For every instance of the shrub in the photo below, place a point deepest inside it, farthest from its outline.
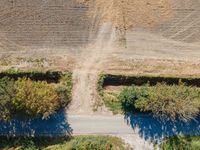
(97, 143)
(181, 143)
(167, 102)
(129, 96)
(36, 98)
(7, 94)
(177, 101)
(33, 98)
(64, 89)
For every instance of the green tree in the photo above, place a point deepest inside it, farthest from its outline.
(176, 101)
(129, 96)
(167, 102)
(7, 94)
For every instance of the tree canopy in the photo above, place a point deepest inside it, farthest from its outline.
(36, 98)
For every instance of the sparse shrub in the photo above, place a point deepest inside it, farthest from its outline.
(36, 98)
(7, 94)
(100, 83)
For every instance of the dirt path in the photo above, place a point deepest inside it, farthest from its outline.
(85, 74)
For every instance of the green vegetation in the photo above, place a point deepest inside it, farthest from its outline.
(33, 75)
(6, 98)
(31, 98)
(112, 101)
(182, 143)
(100, 84)
(165, 101)
(64, 89)
(176, 101)
(75, 143)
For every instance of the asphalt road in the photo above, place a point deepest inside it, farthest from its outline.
(108, 125)
(136, 130)
(99, 125)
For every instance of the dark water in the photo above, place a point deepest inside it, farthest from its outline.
(56, 125)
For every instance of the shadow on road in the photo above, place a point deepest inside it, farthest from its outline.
(154, 129)
(55, 125)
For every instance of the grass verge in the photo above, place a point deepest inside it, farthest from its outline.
(182, 143)
(75, 143)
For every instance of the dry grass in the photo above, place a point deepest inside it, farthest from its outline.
(154, 67)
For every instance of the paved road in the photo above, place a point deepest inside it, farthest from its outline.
(99, 125)
(135, 129)
(108, 125)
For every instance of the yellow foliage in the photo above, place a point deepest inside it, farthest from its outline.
(36, 98)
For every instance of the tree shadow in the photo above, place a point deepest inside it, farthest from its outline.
(55, 126)
(154, 129)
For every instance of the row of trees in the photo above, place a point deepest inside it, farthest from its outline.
(31, 98)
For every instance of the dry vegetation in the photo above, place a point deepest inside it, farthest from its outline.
(153, 67)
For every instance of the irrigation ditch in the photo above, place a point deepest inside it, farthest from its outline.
(118, 80)
(49, 76)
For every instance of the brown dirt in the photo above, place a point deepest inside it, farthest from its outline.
(85, 74)
(147, 66)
